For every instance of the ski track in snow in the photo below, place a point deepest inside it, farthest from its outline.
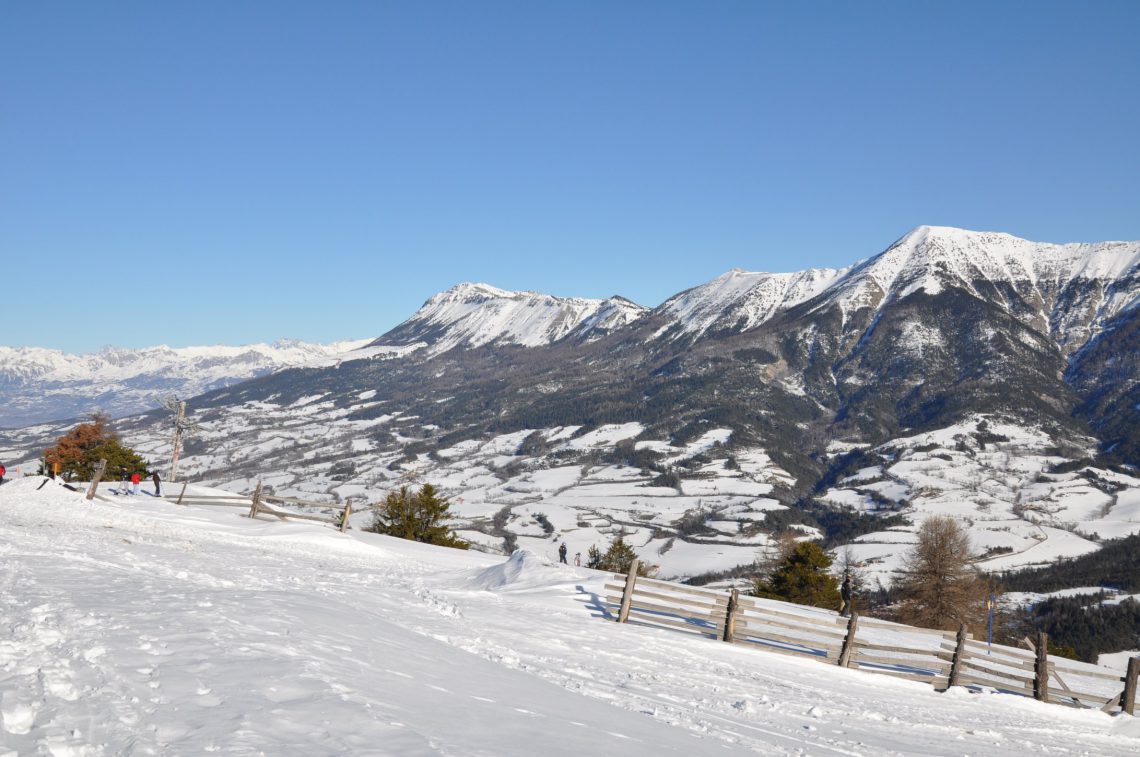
(143, 628)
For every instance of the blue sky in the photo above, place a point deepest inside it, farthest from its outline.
(217, 172)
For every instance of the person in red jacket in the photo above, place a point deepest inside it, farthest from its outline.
(3, 470)
(136, 479)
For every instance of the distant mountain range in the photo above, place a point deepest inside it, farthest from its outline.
(38, 385)
(973, 373)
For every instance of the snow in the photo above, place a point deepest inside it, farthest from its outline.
(43, 384)
(472, 315)
(1001, 492)
(141, 627)
(742, 300)
(929, 257)
(1117, 660)
(607, 434)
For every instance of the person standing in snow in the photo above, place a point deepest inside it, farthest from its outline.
(155, 479)
(577, 559)
(3, 470)
(845, 595)
(124, 487)
(562, 554)
(136, 479)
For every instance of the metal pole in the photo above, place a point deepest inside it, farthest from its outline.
(990, 632)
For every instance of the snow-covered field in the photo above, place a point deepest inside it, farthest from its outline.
(137, 627)
(995, 478)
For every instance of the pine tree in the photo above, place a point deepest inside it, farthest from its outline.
(420, 516)
(618, 558)
(594, 557)
(802, 577)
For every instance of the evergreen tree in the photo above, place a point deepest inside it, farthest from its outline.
(594, 557)
(417, 516)
(79, 450)
(802, 577)
(619, 557)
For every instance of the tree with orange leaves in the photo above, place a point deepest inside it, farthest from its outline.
(79, 450)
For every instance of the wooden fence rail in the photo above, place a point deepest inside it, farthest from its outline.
(257, 504)
(940, 658)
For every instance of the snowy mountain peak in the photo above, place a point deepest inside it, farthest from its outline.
(473, 315)
(469, 290)
(996, 256)
(1040, 277)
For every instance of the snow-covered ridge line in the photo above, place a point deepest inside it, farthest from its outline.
(22, 363)
(473, 315)
(742, 299)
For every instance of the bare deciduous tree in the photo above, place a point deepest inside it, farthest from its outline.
(940, 588)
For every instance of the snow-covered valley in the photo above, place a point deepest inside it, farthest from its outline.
(138, 627)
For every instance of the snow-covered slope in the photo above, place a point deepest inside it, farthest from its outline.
(740, 300)
(146, 628)
(41, 384)
(473, 315)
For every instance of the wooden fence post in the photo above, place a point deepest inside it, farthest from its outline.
(1128, 696)
(344, 518)
(959, 658)
(627, 595)
(730, 615)
(179, 502)
(100, 467)
(256, 501)
(1041, 669)
(849, 640)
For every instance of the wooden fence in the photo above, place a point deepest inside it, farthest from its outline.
(260, 503)
(940, 658)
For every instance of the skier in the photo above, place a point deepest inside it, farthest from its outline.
(577, 559)
(3, 470)
(562, 554)
(845, 595)
(154, 478)
(136, 479)
(124, 487)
